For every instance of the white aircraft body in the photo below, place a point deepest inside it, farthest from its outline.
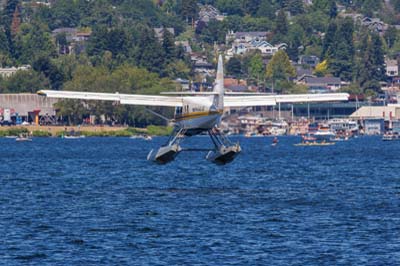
(196, 113)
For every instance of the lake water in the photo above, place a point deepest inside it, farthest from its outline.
(97, 201)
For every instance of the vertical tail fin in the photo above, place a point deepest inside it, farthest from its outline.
(219, 84)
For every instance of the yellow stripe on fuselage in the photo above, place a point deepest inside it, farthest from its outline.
(197, 115)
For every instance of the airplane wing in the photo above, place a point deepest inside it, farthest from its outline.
(130, 99)
(271, 100)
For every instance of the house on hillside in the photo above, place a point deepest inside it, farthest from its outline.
(208, 13)
(247, 36)
(309, 60)
(185, 45)
(374, 24)
(159, 32)
(242, 47)
(392, 68)
(321, 84)
(201, 66)
(75, 40)
(9, 71)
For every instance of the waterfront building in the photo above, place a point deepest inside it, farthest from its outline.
(28, 107)
(373, 126)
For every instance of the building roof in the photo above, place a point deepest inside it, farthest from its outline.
(24, 103)
(252, 34)
(160, 31)
(322, 80)
(377, 112)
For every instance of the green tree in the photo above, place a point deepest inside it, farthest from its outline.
(279, 69)
(295, 7)
(4, 46)
(231, 7)
(390, 36)
(65, 14)
(177, 69)
(341, 64)
(234, 67)
(25, 81)
(333, 9)
(168, 45)
(256, 68)
(251, 6)
(373, 65)
(31, 42)
(329, 40)
(50, 71)
(187, 9)
(150, 55)
(281, 27)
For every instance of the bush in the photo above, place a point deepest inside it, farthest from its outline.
(13, 131)
(41, 133)
(159, 130)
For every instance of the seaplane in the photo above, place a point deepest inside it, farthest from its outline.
(198, 113)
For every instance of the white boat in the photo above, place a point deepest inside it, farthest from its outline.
(389, 136)
(23, 137)
(324, 132)
(73, 137)
(145, 137)
(343, 125)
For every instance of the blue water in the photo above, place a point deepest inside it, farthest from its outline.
(97, 201)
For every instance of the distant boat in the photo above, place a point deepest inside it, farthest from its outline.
(315, 144)
(23, 137)
(145, 137)
(275, 141)
(324, 132)
(308, 138)
(390, 136)
(72, 137)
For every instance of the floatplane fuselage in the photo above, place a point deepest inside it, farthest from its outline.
(200, 112)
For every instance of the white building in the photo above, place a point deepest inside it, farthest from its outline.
(9, 71)
(392, 68)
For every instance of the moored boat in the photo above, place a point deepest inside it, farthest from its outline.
(389, 136)
(23, 137)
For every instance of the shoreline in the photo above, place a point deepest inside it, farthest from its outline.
(89, 131)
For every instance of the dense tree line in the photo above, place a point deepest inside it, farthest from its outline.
(122, 36)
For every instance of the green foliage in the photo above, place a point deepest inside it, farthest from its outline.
(234, 67)
(297, 88)
(390, 36)
(340, 50)
(159, 130)
(108, 133)
(372, 68)
(31, 42)
(24, 81)
(41, 133)
(187, 9)
(124, 79)
(256, 68)
(281, 23)
(13, 131)
(352, 89)
(231, 7)
(279, 70)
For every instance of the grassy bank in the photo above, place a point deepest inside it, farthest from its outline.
(44, 131)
